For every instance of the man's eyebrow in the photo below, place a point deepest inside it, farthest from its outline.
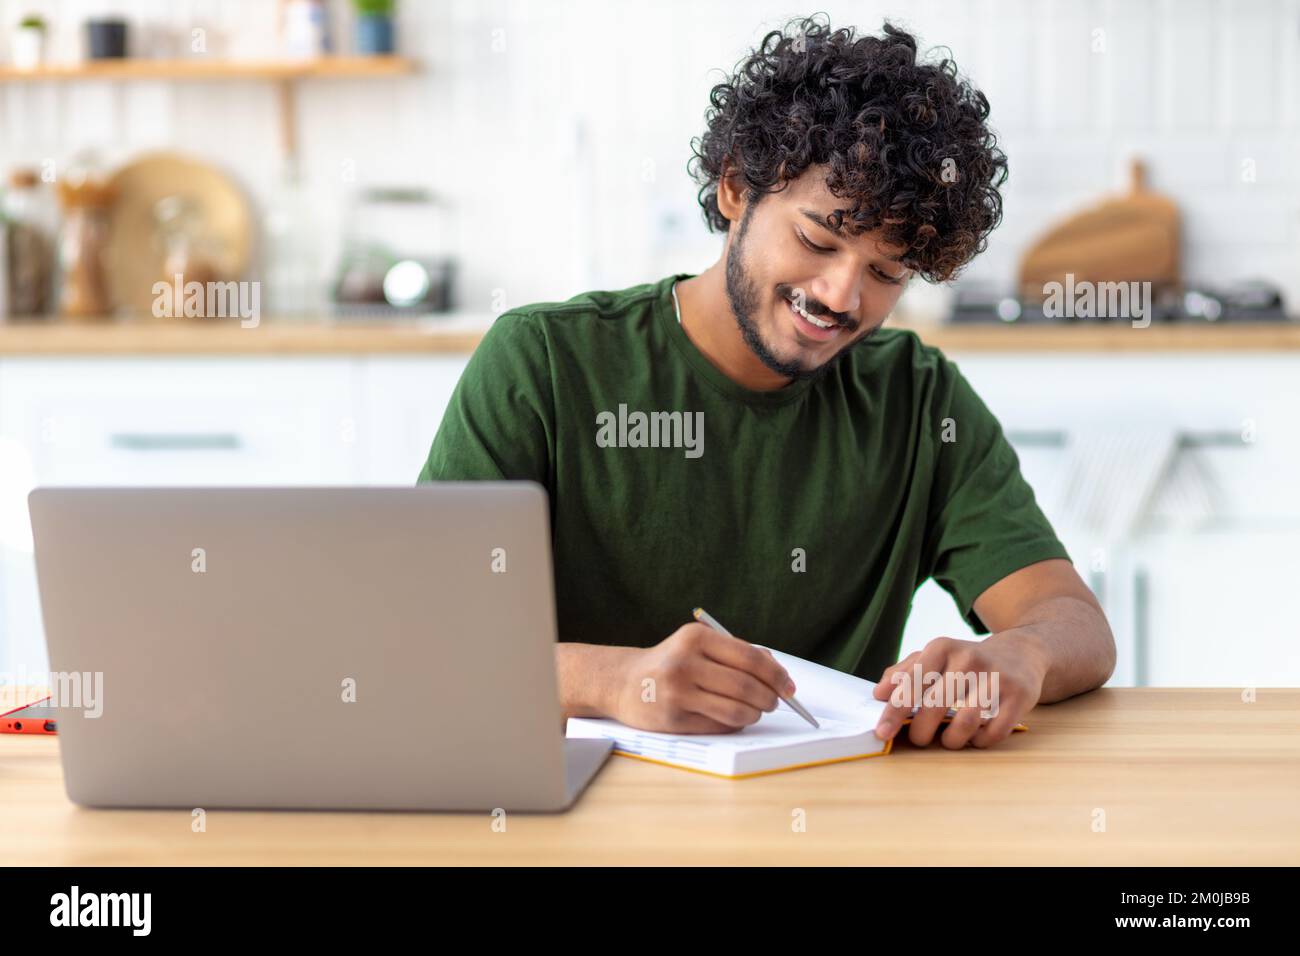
(819, 219)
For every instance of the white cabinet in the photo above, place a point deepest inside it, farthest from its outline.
(199, 421)
(1240, 410)
(403, 401)
(182, 421)
(1218, 607)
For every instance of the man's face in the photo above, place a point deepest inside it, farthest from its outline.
(783, 257)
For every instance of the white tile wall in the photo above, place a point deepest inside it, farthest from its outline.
(559, 129)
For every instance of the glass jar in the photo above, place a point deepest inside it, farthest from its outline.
(83, 290)
(29, 245)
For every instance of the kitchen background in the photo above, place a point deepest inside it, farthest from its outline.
(389, 204)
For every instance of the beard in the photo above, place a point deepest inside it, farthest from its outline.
(746, 301)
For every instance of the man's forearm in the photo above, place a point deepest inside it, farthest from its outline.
(586, 673)
(1074, 642)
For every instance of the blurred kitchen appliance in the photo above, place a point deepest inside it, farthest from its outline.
(1248, 300)
(1128, 238)
(394, 259)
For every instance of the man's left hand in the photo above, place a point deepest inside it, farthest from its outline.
(1015, 658)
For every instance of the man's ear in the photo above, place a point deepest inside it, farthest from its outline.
(731, 193)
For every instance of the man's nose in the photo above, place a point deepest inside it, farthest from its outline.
(837, 291)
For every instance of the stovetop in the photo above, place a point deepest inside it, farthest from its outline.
(1248, 301)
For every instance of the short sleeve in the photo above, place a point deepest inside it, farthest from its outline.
(500, 423)
(984, 522)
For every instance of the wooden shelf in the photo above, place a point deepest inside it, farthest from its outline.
(198, 68)
(283, 73)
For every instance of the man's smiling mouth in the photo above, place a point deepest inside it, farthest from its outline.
(818, 326)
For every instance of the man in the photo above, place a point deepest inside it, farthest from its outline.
(750, 439)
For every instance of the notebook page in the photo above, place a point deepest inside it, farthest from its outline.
(829, 693)
(824, 690)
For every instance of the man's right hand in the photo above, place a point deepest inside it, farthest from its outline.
(695, 681)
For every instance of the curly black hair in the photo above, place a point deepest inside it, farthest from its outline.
(905, 140)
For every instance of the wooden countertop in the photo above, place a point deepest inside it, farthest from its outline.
(1182, 776)
(227, 337)
(460, 334)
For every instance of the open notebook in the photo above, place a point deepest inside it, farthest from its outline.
(781, 740)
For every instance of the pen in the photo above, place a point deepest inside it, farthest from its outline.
(704, 617)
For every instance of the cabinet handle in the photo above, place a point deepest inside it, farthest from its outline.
(1059, 439)
(175, 441)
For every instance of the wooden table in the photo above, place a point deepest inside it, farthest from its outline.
(1182, 776)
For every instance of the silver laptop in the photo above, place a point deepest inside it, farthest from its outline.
(307, 648)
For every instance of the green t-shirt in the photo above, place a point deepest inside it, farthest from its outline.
(803, 519)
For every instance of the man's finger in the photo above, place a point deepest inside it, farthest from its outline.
(742, 655)
(892, 718)
(734, 714)
(891, 721)
(925, 724)
(999, 727)
(885, 686)
(933, 659)
(961, 728)
(699, 724)
(736, 684)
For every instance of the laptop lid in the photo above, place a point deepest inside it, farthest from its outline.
(310, 648)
